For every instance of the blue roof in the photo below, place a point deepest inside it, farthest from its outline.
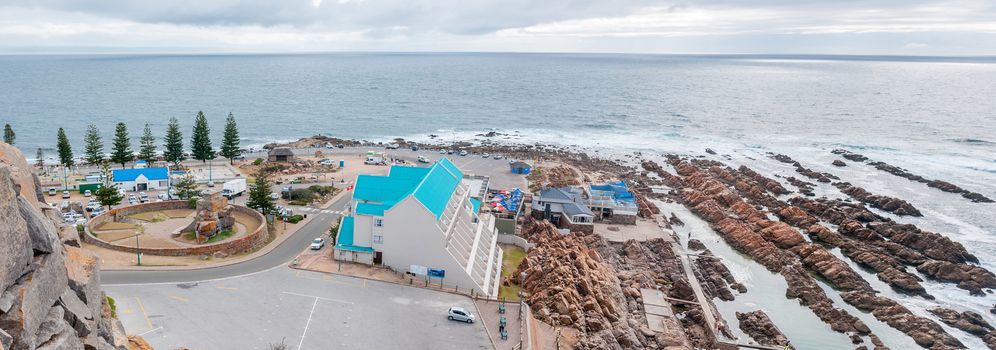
(344, 240)
(120, 175)
(476, 203)
(432, 186)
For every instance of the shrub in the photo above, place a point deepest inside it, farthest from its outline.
(114, 307)
(258, 161)
(295, 218)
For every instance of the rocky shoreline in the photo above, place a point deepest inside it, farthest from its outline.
(903, 173)
(797, 236)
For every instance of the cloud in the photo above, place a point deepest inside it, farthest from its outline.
(814, 26)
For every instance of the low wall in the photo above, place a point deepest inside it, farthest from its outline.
(238, 245)
(515, 240)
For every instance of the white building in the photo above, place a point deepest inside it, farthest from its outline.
(143, 179)
(418, 219)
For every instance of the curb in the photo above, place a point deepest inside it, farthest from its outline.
(260, 253)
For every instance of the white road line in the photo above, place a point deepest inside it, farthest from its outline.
(318, 297)
(149, 331)
(306, 325)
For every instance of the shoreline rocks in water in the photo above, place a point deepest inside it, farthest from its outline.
(903, 173)
(968, 321)
(890, 204)
(759, 327)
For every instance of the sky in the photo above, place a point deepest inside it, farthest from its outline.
(846, 27)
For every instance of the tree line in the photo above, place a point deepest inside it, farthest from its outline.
(172, 143)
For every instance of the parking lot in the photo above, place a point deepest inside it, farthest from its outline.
(305, 310)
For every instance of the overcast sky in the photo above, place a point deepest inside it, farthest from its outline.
(894, 27)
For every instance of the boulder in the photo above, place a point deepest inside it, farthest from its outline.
(36, 292)
(15, 241)
(40, 228)
(759, 327)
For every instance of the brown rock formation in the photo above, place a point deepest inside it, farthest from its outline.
(50, 294)
(968, 321)
(838, 162)
(759, 327)
(889, 204)
(924, 332)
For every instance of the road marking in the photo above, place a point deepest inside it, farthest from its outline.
(306, 325)
(149, 331)
(179, 298)
(330, 278)
(318, 297)
(144, 314)
(227, 288)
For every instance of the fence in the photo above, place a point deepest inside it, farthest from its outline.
(518, 241)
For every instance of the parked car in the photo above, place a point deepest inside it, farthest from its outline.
(163, 196)
(51, 191)
(486, 155)
(392, 146)
(442, 151)
(326, 162)
(415, 148)
(464, 153)
(97, 211)
(132, 199)
(340, 145)
(274, 196)
(449, 151)
(497, 156)
(65, 205)
(459, 314)
(143, 197)
(71, 216)
(210, 184)
(423, 159)
(87, 193)
(65, 194)
(317, 244)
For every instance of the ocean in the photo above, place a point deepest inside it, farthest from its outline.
(933, 116)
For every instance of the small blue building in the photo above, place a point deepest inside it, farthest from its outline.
(520, 167)
(141, 179)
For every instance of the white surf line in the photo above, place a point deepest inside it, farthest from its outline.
(306, 325)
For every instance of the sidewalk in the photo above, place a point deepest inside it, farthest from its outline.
(270, 246)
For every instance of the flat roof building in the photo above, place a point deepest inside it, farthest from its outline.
(141, 179)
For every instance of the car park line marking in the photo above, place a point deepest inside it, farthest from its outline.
(227, 288)
(330, 278)
(306, 325)
(179, 298)
(144, 314)
(149, 331)
(319, 298)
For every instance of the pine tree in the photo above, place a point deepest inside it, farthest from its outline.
(186, 188)
(40, 158)
(173, 142)
(230, 141)
(121, 147)
(93, 150)
(108, 195)
(147, 150)
(8, 134)
(200, 139)
(65, 150)
(259, 195)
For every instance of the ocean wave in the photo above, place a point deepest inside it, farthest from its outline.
(974, 141)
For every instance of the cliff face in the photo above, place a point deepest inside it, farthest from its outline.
(50, 295)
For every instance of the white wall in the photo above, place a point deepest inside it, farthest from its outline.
(362, 229)
(418, 241)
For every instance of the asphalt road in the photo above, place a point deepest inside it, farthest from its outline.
(281, 255)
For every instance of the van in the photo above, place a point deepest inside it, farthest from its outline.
(423, 159)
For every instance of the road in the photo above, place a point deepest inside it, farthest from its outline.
(280, 255)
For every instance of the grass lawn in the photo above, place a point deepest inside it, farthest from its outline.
(510, 261)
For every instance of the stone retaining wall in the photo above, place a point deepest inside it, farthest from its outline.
(238, 245)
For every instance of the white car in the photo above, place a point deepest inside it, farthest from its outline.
(97, 211)
(464, 153)
(459, 314)
(143, 197)
(87, 193)
(486, 155)
(423, 159)
(65, 194)
(274, 196)
(442, 151)
(317, 244)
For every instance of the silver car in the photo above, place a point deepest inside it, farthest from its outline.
(459, 314)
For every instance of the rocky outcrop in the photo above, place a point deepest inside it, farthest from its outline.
(903, 173)
(838, 162)
(890, 204)
(716, 277)
(802, 286)
(570, 285)
(50, 294)
(968, 321)
(969, 277)
(760, 328)
(924, 331)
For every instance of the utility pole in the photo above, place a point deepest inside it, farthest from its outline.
(138, 251)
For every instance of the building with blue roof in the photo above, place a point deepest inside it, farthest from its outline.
(415, 219)
(141, 179)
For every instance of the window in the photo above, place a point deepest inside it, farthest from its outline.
(378, 239)
(379, 222)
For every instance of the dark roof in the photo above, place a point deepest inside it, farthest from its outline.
(576, 209)
(281, 152)
(518, 164)
(570, 201)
